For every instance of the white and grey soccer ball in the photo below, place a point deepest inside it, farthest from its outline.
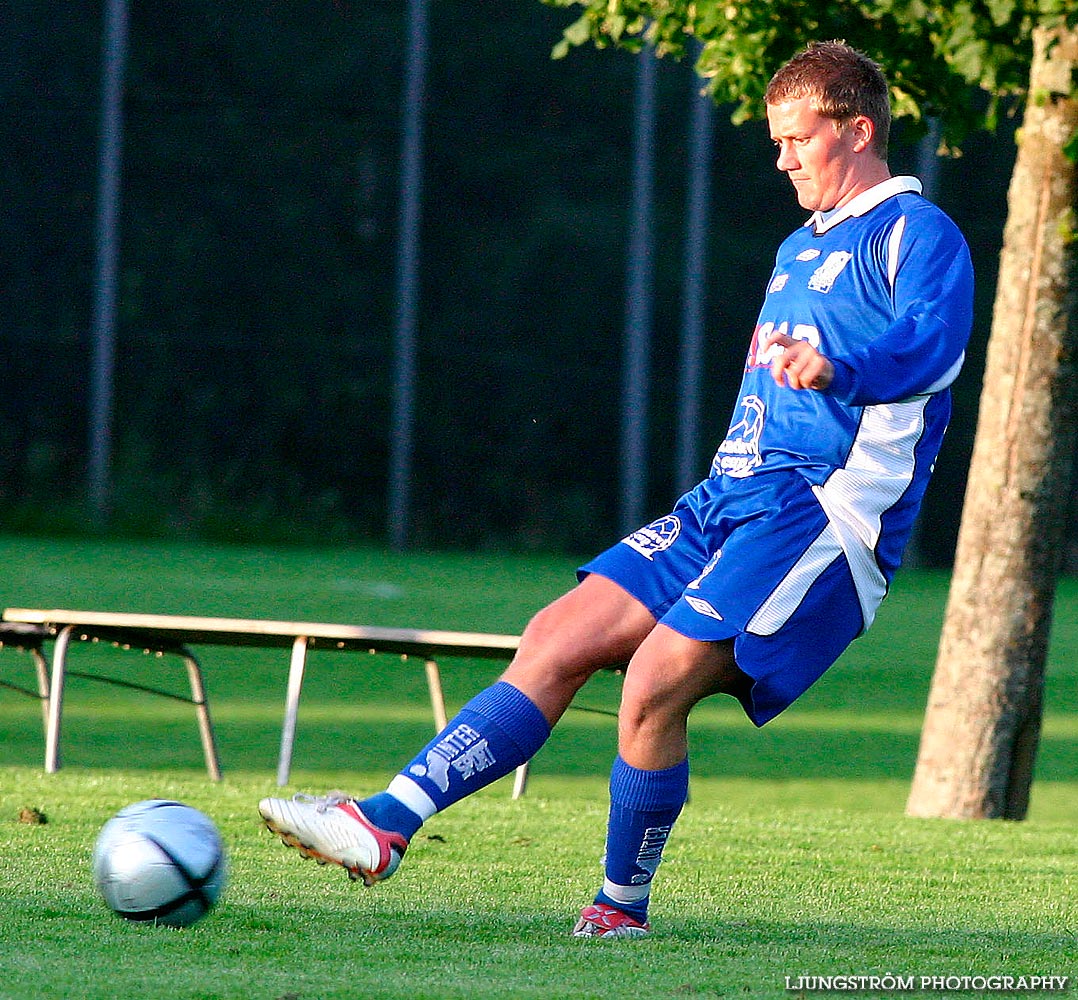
(160, 862)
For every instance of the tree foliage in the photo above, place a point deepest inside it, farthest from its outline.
(959, 63)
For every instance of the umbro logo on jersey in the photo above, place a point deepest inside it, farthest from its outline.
(701, 607)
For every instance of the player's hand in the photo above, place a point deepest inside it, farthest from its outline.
(799, 364)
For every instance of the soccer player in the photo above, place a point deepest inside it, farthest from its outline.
(764, 573)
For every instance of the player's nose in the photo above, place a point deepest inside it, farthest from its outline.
(786, 160)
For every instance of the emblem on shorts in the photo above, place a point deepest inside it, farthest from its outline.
(656, 537)
(701, 607)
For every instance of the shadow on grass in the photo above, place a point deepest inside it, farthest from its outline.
(576, 748)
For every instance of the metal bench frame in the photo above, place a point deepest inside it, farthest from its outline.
(173, 634)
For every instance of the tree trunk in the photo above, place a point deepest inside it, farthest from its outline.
(982, 723)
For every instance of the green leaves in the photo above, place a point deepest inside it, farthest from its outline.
(576, 34)
(957, 62)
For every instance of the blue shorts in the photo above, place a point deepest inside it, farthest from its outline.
(753, 560)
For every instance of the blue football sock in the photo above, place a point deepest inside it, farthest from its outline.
(386, 811)
(643, 808)
(492, 735)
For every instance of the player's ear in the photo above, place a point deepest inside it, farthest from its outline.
(864, 130)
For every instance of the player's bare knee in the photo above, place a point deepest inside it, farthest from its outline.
(543, 626)
(649, 698)
(544, 652)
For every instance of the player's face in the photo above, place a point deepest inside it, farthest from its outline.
(824, 163)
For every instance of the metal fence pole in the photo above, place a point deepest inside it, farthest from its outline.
(638, 305)
(402, 421)
(694, 291)
(107, 252)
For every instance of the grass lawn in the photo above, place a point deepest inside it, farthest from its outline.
(793, 857)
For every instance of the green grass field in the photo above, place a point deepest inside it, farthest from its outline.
(793, 857)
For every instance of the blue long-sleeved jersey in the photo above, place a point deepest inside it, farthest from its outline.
(882, 287)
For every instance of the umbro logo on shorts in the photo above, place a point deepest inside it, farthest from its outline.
(700, 606)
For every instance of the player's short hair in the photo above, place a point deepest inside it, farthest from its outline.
(843, 84)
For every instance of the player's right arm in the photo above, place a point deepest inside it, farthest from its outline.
(921, 350)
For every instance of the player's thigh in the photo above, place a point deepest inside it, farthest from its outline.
(596, 624)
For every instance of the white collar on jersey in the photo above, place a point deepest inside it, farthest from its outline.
(864, 202)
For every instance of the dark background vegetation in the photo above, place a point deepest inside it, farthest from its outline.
(259, 230)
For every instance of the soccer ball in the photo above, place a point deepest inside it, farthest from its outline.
(160, 862)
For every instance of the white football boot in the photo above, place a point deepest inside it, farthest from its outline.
(332, 829)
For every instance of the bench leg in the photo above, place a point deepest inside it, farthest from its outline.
(520, 781)
(437, 698)
(291, 708)
(202, 710)
(42, 667)
(56, 701)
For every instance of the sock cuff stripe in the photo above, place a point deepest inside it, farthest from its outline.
(626, 894)
(409, 794)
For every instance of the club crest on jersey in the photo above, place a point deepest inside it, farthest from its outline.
(655, 537)
(739, 453)
(823, 278)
